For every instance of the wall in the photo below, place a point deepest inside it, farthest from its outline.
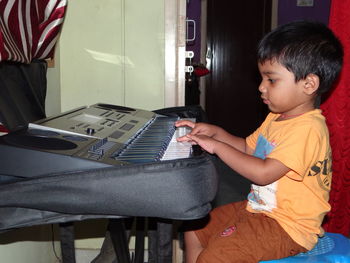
(110, 51)
(193, 12)
(289, 11)
(29, 245)
(91, 54)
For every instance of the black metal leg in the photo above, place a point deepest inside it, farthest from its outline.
(165, 238)
(160, 242)
(140, 240)
(120, 243)
(67, 242)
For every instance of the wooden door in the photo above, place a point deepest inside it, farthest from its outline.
(232, 97)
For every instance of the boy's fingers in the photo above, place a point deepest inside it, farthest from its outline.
(184, 123)
(182, 139)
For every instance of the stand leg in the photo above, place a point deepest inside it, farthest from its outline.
(140, 240)
(67, 242)
(160, 242)
(120, 242)
(165, 238)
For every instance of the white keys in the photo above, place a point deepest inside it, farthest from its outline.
(175, 149)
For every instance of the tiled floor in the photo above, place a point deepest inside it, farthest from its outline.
(85, 255)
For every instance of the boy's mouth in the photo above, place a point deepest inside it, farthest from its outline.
(266, 101)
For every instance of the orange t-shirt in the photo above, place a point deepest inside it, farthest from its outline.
(298, 200)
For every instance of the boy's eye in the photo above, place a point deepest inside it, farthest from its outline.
(272, 80)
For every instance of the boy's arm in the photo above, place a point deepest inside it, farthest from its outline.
(234, 141)
(259, 171)
(214, 132)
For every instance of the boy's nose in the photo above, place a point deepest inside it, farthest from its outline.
(262, 88)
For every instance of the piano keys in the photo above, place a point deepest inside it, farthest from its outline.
(156, 142)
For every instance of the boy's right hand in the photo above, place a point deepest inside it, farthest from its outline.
(197, 129)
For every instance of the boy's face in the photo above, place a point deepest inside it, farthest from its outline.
(280, 91)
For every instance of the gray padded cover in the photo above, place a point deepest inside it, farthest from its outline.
(177, 189)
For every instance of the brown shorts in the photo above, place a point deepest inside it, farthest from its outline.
(235, 235)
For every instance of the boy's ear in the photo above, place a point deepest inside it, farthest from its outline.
(311, 84)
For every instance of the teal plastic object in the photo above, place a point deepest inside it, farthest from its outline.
(332, 248)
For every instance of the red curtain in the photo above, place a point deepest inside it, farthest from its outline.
(337, 111)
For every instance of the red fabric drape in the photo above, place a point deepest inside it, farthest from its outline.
(337, 111)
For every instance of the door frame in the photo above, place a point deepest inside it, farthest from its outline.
(175, 48)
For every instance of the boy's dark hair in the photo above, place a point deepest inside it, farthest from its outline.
(304, 47)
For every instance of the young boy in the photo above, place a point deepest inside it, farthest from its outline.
(288, 158)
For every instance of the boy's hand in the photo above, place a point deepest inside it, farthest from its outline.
(197, 129)
(206, 143)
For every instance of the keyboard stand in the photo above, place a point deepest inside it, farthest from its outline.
(117, 230)
(66, 231)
